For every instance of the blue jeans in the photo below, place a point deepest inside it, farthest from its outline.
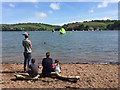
(27, 59)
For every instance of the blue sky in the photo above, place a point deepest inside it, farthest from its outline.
(57, 13)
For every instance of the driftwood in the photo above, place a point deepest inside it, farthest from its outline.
(73, 78)
(26, 77)
(53, 74)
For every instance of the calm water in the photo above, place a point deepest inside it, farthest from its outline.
(80, 46)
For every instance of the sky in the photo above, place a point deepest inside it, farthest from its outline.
(57, 13)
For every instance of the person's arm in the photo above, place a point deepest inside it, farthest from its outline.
(52, 63)
(30, 44)
(22, 43)
(53, 66)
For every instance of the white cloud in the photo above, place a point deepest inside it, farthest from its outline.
(106, 18)
(67, 22)
(50, 12)
(36, 6)
(91, 11)
(55, 6)
(112, 1)
(60, 24)
(104, 4)
(40, 15)
(11, 5)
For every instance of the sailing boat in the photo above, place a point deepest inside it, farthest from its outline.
(62, 31)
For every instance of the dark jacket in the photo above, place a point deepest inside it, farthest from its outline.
(47, 66)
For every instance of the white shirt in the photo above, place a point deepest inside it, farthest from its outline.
(57, 68)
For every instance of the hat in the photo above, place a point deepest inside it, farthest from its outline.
(26, 34)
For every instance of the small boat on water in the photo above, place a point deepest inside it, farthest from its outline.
(62, 31)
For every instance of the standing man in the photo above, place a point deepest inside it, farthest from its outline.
(27, 50)
(47, 65)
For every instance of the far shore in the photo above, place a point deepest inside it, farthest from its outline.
(91, 76)
(51, 30)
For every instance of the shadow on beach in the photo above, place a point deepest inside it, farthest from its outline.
(12, 72)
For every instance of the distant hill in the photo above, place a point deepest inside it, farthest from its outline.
(93, 25)
(29, 27)
(79, 26)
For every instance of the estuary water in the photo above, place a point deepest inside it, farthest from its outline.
(77, 46)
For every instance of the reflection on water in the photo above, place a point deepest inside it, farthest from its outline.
(82, 46)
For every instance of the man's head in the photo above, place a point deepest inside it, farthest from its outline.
(26, 34)
(47, 54)
(33, 60)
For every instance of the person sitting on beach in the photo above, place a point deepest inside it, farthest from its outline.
(33, 68)
(57, 67)
(47, 65)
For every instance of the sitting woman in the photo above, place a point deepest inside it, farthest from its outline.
(33, 69)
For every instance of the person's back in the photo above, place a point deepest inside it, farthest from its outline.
(47, 65)
(33, 68)
(26, 44)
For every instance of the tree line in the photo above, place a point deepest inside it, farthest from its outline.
(93, 25)
(79, 26)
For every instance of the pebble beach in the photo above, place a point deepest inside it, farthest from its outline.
(91, 76)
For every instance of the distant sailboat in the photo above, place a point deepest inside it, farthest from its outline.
(62, 31)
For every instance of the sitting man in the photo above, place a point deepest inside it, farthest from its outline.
(47, 66)
(33, 69)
